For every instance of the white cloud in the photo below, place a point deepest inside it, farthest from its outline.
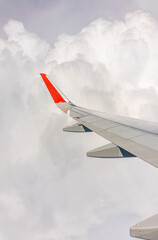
(49, 189)
(118, 55)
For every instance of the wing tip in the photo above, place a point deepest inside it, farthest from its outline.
(44, 76)
(55, 93)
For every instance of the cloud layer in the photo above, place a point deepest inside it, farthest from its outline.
(49, 189)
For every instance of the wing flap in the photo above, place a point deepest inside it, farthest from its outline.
(78, 128)
(109, 151)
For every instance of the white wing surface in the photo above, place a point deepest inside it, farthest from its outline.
(147, 229)
(129, 137)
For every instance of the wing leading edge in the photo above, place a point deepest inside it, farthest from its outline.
(130, 137)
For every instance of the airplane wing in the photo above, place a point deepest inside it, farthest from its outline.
(129, 137)
(147, 229)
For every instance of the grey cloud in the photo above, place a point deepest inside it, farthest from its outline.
(48, 18)
(148, 6)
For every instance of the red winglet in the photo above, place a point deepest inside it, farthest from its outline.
(53, 91)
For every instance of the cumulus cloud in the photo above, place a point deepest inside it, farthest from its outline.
(116, 57)
(49, 189)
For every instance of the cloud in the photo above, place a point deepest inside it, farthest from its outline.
(49, 189)
(48, 18)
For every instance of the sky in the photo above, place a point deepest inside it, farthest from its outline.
(104, 56)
